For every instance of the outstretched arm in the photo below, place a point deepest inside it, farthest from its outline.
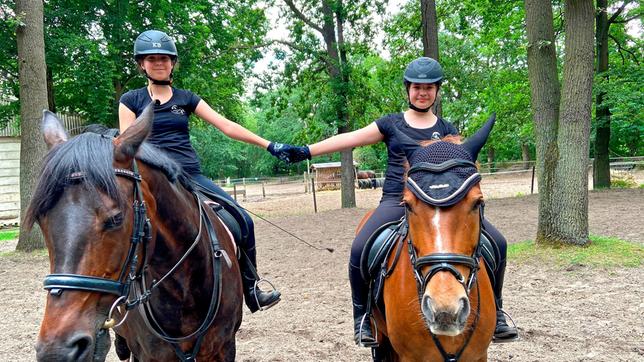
(364, 136)
(229, 128)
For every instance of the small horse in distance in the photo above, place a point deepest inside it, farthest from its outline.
(133, 248)
(436, 303)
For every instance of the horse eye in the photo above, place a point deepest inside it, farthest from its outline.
(114, 221)
(478, 204)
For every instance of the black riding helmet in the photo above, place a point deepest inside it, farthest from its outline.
(423, 70)
(155, 42)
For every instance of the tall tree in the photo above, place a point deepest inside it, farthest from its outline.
(33, 99)
(601, 164)
(562, 122)
(430, 38)
(329, 19)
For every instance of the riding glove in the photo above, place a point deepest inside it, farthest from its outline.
(289, 153)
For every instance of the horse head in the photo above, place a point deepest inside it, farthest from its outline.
(84, 212)
(444, 211)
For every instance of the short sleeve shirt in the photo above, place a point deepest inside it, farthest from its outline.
(394, 176)
(170, 130)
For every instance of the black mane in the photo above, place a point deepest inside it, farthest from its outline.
(92, 154)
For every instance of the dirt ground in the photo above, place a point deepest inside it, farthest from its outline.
(574, 314)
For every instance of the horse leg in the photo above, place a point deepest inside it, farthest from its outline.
(229, 351)
(384, 352)
(122, 350)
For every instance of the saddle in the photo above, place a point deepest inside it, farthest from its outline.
(379, 246)
(229, 213)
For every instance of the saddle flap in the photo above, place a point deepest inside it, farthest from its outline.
(377, 249)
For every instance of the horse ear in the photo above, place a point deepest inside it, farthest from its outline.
(474, 144)
(127, 144)
(52, 130)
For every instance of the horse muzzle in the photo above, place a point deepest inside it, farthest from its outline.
(78, 347)
(447, 320)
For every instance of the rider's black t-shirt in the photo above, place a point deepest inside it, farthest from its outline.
(170, 130)
(394, 176)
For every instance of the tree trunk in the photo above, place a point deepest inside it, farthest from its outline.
(33, 99)
(601, 164)
(339, 82)
(545, 96)
(490, 158)
(571, 186)
(525, 155)
(430, 39)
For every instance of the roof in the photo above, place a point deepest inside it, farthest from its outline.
(315, 166)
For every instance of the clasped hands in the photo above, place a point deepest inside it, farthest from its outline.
(289, 153)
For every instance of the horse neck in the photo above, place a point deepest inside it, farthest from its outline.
(176, 220)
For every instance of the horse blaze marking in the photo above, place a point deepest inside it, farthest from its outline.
(436, 222)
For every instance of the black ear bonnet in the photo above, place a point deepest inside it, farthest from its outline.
(442, 173)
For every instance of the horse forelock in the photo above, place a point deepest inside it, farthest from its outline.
(90, 154)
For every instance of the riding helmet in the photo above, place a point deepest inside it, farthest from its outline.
(154, 42)
(423, 70)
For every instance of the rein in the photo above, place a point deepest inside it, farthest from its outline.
(135, 284)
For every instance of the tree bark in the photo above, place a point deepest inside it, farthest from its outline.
(601, 164)
(33, 99)
(571, 186)
(430, 39)
(525, 155)
(545, 96)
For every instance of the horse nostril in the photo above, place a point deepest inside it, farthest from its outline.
(464, 310)
(426, 307)
(78, 347)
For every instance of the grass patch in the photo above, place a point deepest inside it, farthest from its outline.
(8, 234)
(602, 252)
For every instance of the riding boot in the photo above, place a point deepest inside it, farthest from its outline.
(255, 298)
(363, 335)
(503, 332)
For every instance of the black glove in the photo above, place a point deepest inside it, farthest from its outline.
(289, 153)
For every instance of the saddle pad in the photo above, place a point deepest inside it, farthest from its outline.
(377, 249)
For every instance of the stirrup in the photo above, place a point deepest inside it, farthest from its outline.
(507, 340)
(262, 308)
(360, 341)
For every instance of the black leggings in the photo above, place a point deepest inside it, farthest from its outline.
(391, 209)
(249, 248)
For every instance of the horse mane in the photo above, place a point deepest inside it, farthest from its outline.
(91, 153)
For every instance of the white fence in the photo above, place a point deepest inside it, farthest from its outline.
(10, 166)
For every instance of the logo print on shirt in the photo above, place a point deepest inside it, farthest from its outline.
(177, 110)
(436, 136)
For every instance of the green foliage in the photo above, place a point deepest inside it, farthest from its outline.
(602, 252)
(8, 234)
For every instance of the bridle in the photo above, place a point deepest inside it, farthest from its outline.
(437, 262)
(57, 283)
(131, 287)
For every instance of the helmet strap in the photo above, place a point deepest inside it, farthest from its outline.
(421, 110)
(159, 82)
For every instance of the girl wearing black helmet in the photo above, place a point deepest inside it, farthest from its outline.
(422, 79)
(156, 55)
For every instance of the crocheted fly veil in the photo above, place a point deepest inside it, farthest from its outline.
(442, 173)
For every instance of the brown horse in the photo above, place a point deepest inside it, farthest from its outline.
(131, 247)
(438, 299)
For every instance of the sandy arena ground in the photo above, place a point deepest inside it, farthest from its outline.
(574, 314)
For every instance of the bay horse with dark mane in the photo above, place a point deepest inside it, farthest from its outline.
(436, 299)
(133, 247)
